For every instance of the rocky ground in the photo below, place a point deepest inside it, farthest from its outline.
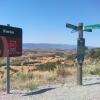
(90, 90)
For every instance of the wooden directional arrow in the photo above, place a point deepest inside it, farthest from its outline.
(95, 26)
(71, 26)
(85, 29)
(73, 31)
(88, 30)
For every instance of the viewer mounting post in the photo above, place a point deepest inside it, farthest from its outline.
(80, 47)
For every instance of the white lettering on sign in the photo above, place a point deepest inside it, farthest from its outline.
(8, 31)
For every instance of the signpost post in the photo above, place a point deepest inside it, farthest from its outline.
(8, 76)
(8, 72)
(10, 46)
(80, 53)
(80, 47)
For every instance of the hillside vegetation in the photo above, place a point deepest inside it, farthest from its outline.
(36, 68)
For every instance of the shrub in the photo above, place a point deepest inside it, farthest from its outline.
(94, 53)
(96, 71)
(97, 53)
(2, 63)
(50, 66)
(62, 71)
(57, 54)
(16, 62)
(71, 56)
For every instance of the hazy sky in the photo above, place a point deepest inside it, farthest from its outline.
(44, 21)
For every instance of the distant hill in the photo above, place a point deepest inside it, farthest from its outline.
(47, 46)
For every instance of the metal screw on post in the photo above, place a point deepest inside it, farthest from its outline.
(8, 73)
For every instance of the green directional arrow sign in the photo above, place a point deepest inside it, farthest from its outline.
(71, 26)
(95, 26)
(73, 31)
(87, 30)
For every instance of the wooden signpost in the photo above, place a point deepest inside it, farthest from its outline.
(80, 48)
(10, 46)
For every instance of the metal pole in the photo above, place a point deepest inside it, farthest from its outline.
(8, 76)
(8, 72)
(79, 66)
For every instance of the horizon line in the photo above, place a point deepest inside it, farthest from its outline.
(60, 44)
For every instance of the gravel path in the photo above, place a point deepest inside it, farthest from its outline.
(67, 91)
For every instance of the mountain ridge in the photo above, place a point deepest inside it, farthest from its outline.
(47, 46)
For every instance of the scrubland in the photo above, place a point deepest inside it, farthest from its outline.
(40, 68)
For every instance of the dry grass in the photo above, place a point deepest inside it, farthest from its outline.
(93, 69)
(27, 78)
(62, 71)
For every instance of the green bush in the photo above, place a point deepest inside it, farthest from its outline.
(97, 53)
(71, 56)
(94, 53)
(16, 62)
(2, 63)
(96, 71)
